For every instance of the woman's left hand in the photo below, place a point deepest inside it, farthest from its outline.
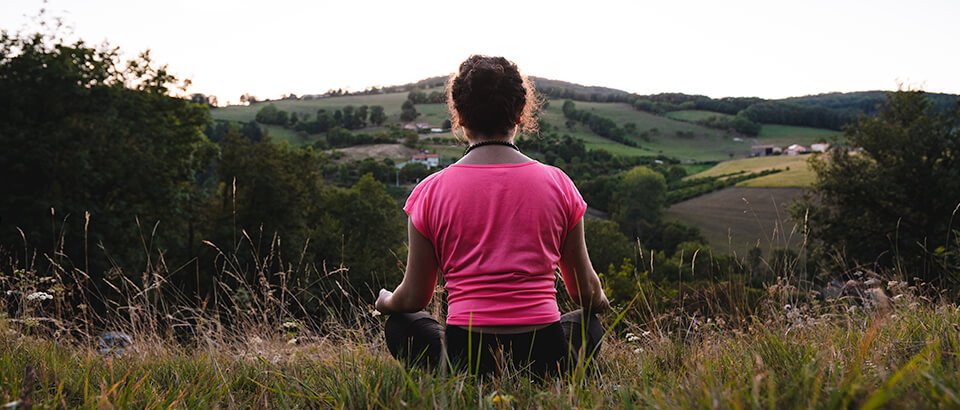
(382, 301)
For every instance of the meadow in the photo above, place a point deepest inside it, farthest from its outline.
(796, 171)
(884, 345)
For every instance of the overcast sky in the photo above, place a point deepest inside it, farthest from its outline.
(762, 48)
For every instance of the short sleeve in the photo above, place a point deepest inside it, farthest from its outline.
(418, 206)
(575, 205)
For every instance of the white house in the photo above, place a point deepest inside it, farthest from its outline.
(430, 160)
(820, 147)
(796, 149)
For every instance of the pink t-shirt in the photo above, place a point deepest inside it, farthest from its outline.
(497, 230)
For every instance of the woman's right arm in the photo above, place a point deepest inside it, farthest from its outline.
(580, 279)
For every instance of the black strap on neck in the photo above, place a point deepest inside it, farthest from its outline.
(491, 142)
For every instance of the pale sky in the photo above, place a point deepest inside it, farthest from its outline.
(764, 48)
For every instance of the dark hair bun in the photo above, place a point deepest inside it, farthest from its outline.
(489, 96)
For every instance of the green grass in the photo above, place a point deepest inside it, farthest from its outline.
(797, 171)
(787, 134)
(808, 356)
(694, 115)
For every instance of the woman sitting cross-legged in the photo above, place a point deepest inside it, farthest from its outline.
(497, 224)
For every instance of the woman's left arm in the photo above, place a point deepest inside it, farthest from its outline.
(419, 279)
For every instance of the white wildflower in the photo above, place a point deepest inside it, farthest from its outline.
(293, 341)
(375, 313)
(872, 282)
(39, 296)
(290, 325)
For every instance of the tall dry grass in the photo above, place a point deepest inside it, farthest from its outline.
(875, 341)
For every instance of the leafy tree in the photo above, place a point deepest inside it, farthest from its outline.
(372, 232)
(270, 114)
(348, 118)
(608, 246)
(639, 201)
(889, 194)
(377, 115)
(411, 139)
(414, 172)
(408, 112)
(82, 135)
(361, 116)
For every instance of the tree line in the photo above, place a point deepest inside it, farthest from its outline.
(348, 117)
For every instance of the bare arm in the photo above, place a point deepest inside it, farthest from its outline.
(419, 280)
(580, 279)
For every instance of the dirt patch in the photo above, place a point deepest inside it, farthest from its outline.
(397, 152)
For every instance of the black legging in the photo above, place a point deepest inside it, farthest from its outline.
(415, 339)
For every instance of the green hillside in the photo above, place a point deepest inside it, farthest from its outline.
(673, 134)
(694, 115)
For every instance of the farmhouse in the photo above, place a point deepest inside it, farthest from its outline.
(430, 160)
(764, 150)
(797, 149)
(417, 126)
(820, 147)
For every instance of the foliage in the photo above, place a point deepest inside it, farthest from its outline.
(602, 126)
(890, 196)
(270, 114)
(377, 115)
(772, 112)
(414, 172)
(90, 147)
(607, 245)
(101, 163)
(639, 201)
(408, 112)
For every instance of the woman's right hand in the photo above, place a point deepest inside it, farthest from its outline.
(601, 305)
(382, 303)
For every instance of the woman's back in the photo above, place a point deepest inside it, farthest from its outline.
(496, 224)
(497, 230)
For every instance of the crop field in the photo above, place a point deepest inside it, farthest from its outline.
(694, 115)
(797, 172)
(737, 219)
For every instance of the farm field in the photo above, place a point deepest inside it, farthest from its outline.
(694, 115)
(797, 172)
(787, 134)
(738, 219)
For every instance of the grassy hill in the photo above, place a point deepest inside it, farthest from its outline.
(694, 115)
(674, 134)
